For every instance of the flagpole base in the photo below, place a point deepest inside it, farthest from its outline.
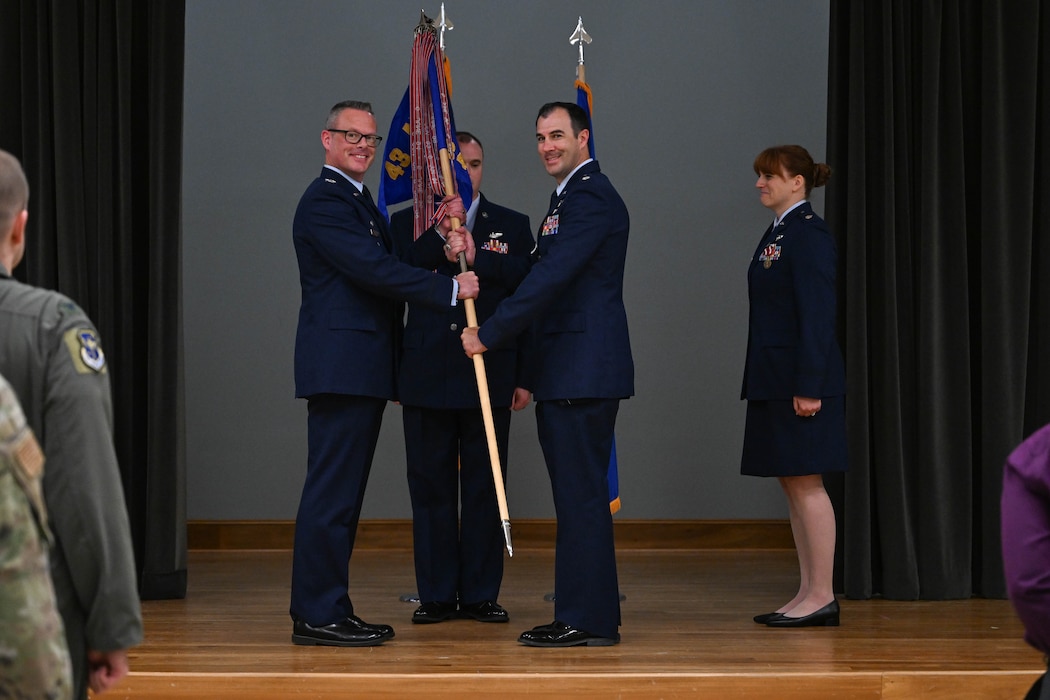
(506, 537)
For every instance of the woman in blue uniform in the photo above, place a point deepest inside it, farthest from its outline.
(794, 377)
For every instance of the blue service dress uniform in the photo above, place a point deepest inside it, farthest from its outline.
(792, 351)
(458, 549)
(346, 349)
(580, 367)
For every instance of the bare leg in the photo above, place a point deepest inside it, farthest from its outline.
(812, 517)
(798, 533)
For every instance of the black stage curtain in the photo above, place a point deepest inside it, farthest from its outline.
(91, 102)
(938, 128)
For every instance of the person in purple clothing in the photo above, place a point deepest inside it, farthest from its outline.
(1026, 541)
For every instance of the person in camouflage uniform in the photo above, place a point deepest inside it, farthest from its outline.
(51, 354)
(34, 661)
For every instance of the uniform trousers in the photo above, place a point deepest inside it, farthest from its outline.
(576, 437)
(342, 432)
(458, 549)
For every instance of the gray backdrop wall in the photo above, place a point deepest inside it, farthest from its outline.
(686, 93)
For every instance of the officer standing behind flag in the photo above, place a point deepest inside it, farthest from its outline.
(51, 354)
(36, 661)
(580, 369)
(459, 565)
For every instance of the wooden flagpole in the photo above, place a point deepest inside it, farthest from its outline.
(482, 378)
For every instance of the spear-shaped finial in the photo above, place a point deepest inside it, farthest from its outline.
(443, 23)
(581, 37)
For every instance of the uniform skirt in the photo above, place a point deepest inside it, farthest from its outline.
(779, 443)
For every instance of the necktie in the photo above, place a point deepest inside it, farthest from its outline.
(377, 219)
(371, 202)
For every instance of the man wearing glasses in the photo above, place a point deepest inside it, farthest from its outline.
(345, 364)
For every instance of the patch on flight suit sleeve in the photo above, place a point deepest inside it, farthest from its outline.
(17, 442)
(85, 351)
(67, 307)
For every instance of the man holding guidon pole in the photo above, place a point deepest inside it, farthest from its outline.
(572, 299)
(345, 365)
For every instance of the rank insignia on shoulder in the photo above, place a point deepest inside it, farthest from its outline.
(85, 350)
(68, 309)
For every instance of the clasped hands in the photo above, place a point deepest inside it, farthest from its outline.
(806, 407)
(458, 240)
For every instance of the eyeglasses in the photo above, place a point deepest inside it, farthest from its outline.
(372, 140)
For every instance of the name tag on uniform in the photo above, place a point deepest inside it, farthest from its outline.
(550, 226)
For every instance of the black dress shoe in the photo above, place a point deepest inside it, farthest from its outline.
(428, 613)
(765, 617)
(351, 632)
(828, 616)
(559, 634)
(485, 611)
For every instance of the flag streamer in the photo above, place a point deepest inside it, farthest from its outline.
(422, 126)
(426, 180)
(585, 99)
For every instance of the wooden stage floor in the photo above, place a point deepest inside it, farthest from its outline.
(687, 632)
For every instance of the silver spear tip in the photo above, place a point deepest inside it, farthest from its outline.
(580, 35)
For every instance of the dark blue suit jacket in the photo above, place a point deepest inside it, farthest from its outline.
(435, 372)
(791, 345)
(352, 283)
(573, 297)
